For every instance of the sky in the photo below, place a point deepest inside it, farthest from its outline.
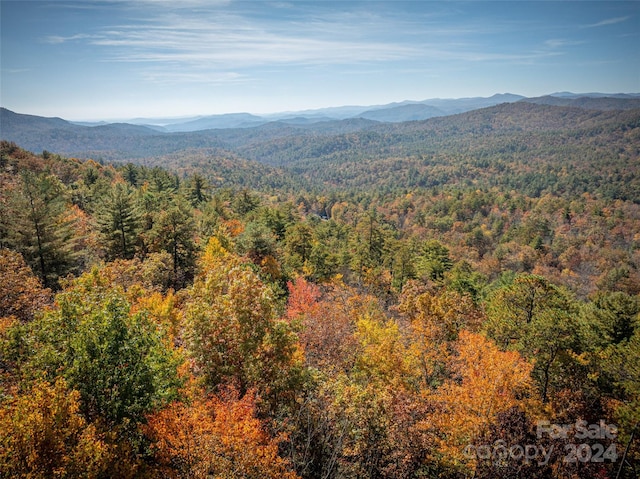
(106, 60)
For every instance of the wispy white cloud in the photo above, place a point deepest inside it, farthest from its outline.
(561, 43)
(57, 39)
(181, 4)
(211, 44)
(208, 77)
(235, 42)
(608, 21)
(14, 71)
(524, 57)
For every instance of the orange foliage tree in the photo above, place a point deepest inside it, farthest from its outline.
(485, 383)
(216, 437)
(328, 324)
(21, 293)
(303, 296)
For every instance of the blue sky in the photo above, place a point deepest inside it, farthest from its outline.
(158, 58)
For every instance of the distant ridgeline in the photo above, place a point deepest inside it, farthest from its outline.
(556, 144)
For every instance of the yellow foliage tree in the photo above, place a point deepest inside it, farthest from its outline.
(161, 309)
(43, 435)
(382, 357)
(435, 319)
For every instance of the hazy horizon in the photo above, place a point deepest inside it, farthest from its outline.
(103, 60)
(161, 120)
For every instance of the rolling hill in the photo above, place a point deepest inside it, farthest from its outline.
(525, 145)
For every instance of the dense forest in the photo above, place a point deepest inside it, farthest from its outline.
(453, 298)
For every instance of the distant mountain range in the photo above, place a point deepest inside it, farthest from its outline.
(391, 113)
(145, 137)
(603, 103)
(527, 145)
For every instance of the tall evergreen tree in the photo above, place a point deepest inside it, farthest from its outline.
(368, 243)
(198, 190)
(130, 173)
(434, 260)
(173, 231)
(37, 227)
(118, 219)
(540, 321)
(298, 244)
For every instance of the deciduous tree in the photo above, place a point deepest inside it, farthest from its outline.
(215, 437)
(485, 382)
(43, 435)
(436, 318)
(21, 293)
(116, 359)
(233, 331)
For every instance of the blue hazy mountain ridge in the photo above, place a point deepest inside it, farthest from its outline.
(568, 94)
(619, 102)
(398, 114)
(461, 105)
(392, 112)
(37, 133)
(12, 121)
(126, 141)
(229, 120)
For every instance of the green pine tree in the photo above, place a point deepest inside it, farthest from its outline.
(38, 226)
(173, 231)
(118, 219)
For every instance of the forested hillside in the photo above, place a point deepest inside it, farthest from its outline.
(340, 300)
(535, 149)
